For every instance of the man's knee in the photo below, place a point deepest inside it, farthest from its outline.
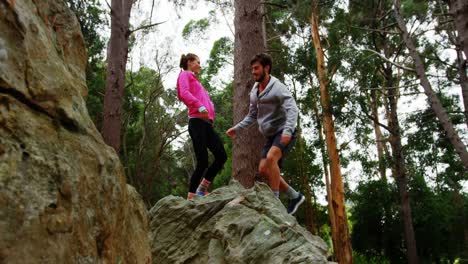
(263, 169)
(272, 159)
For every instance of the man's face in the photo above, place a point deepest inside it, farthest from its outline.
(259, 72)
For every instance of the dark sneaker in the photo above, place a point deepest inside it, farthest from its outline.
(202, 193)
(295, 203)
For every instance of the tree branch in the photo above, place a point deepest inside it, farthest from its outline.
(108, 5)
(377, 122)
(273, 4)
(377, 30)
(387, 60)
(331, 73)
(146, 26)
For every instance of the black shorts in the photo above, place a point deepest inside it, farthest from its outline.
(275, 140)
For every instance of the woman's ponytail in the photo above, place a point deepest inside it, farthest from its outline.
(184, 59)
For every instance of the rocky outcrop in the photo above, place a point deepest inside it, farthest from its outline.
(63, 196)
(231, 225)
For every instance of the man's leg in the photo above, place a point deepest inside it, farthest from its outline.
(283, 187)
(265, 172)
(272, 168)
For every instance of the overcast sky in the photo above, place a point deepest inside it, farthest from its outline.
(167, 37)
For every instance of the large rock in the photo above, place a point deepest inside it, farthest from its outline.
(231, 225)
(63, 196)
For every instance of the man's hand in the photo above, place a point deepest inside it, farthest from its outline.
(204, 115)
(285, 139)
(231, 132)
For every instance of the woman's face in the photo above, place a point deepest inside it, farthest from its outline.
(194, 65)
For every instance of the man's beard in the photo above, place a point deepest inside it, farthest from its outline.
(261, 77)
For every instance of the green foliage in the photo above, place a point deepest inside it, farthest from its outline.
(150, 125)
(417, 8)
(221, 54)
(90, 15)
(195, 28)
(363, 259)
(377, 222)
(375, 215)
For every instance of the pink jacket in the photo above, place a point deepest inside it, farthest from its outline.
(191, 92)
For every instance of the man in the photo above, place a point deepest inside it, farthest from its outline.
(274, 108)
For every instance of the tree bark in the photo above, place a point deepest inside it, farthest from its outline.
(331, 213)
(248, 42)
(461, 64)
(459, 11)
(380, 142)
(117, 51)
(434, 101)
(399, 168)
(343, 250)
(309, 209)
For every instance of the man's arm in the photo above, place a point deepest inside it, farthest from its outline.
(290, 107)
(248, 120)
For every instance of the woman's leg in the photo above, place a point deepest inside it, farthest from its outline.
(215, 145)
(197, 131)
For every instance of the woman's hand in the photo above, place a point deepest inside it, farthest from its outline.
(205, 115)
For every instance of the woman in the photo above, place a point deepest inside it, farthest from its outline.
(201, 116)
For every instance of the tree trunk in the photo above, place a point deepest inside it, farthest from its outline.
(117, 52)
(248, 42)
(461, 67)
(436, 105)
(343, 244)
(459, 11)
(309, 209)
(331, 213)
(378, 136)
(399, 168)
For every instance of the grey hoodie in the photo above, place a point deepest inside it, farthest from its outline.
(274, 109)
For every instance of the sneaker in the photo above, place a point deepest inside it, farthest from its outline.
(202, 193)
(295, 203)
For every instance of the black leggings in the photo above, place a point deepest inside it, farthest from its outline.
(203, 138)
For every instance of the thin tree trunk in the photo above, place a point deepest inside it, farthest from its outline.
(248, 42)
(435, 103)
(461, 67)
(399, 165)
(309, 209)
(117, 52)
(378, 136)
(343, 244)
(331, 213)
(459, 11)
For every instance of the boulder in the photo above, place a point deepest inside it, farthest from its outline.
(231, 225)
(63, 195)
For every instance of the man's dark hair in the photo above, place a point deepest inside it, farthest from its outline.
(264, 59)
